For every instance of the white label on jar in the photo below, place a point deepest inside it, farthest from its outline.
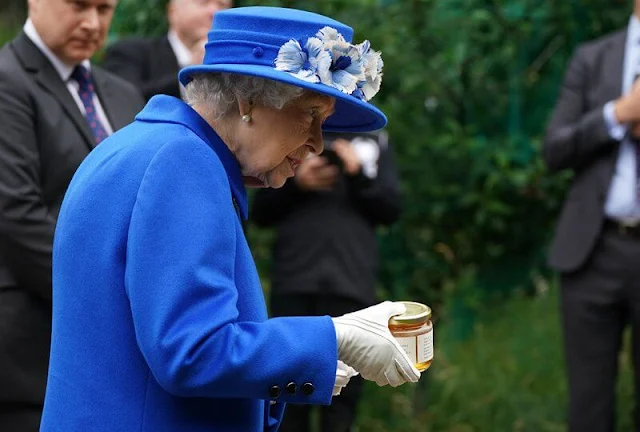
(408, 344)
(425, 347)
(419, 349)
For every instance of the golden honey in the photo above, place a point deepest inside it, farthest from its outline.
(414, 332)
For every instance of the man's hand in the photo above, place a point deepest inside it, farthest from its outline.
(315, 174)
(627, 108)
(347, 153)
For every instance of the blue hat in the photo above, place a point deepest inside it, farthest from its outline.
(303, 49)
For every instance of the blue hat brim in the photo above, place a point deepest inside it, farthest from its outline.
(351, 114)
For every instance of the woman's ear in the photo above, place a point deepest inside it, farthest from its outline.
(244, 107)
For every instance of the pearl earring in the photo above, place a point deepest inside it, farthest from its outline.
(246, 118)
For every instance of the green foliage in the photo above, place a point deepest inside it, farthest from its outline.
(509, 376)
(139, 17)
(6, 35)
(468, 88)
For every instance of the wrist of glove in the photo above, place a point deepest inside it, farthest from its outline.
(366, 344)
(344, 373)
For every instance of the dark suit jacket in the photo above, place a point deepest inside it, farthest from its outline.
(577, 138)
(43, 139)
(150, 64)
(326, 241)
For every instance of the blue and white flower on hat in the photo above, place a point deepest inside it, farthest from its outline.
(302, 60)
(346, 68)
(329, 59)
(372, 71)
(329, 35)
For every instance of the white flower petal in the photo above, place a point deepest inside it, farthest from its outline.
(371, 87)
(327, 34)
(323, 67)
(290, 57)
(364, 47)
(344, 81)
(314, 46)
(373, 64)
(306, 75)
(357, 66)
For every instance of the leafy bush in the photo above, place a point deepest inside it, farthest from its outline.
(508, 376)
(468, 87)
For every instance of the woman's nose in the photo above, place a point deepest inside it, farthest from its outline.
(317, 144)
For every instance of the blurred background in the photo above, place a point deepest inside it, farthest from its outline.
(468, 88)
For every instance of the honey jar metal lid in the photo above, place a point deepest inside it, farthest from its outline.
(416, 313)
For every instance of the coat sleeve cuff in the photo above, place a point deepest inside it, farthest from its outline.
(616, 130)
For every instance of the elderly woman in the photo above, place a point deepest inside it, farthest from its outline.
(159, 321)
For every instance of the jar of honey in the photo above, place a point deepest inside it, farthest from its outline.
(414, 332)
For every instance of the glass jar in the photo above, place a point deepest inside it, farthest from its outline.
(414, 332)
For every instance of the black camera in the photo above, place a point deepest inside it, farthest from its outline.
(329, 153)
(332, 157)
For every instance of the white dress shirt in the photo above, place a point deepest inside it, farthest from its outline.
(65, 71)
(622, 203)
(182, 53)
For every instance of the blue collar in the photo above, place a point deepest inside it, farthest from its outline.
(168, 109)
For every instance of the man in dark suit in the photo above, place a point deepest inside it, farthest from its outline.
(325, 258)
(152, 64)
(54, 108)
(596, 247)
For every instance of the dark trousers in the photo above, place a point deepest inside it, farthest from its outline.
(340, 415)
(597, 303)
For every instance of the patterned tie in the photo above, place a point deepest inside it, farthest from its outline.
(86, 91)
(636, 146)
(636, 143)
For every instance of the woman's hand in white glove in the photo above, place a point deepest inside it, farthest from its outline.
(344, 373)
(366, 344)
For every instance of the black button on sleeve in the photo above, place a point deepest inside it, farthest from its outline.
(292, 388)
(274, 392)
(308, 388)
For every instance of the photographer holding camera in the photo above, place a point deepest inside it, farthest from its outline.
(325, 257)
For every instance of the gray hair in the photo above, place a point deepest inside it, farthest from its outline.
(220, 92)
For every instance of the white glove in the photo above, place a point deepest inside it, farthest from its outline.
(343, 374)
(366, 344)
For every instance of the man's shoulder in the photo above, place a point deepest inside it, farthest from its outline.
(14, 76)
(113, 79)
(137, 43)
(120, 84)
(604, 42)
(9, 61)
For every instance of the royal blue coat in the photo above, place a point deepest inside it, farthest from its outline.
(159, 320)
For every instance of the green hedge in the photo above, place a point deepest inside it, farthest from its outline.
(468, 87)
(508, 376)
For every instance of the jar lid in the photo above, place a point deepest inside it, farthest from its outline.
(415, 313)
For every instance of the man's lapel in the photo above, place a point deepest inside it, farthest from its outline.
(47, 77)
(613, 57)
(111, 103)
